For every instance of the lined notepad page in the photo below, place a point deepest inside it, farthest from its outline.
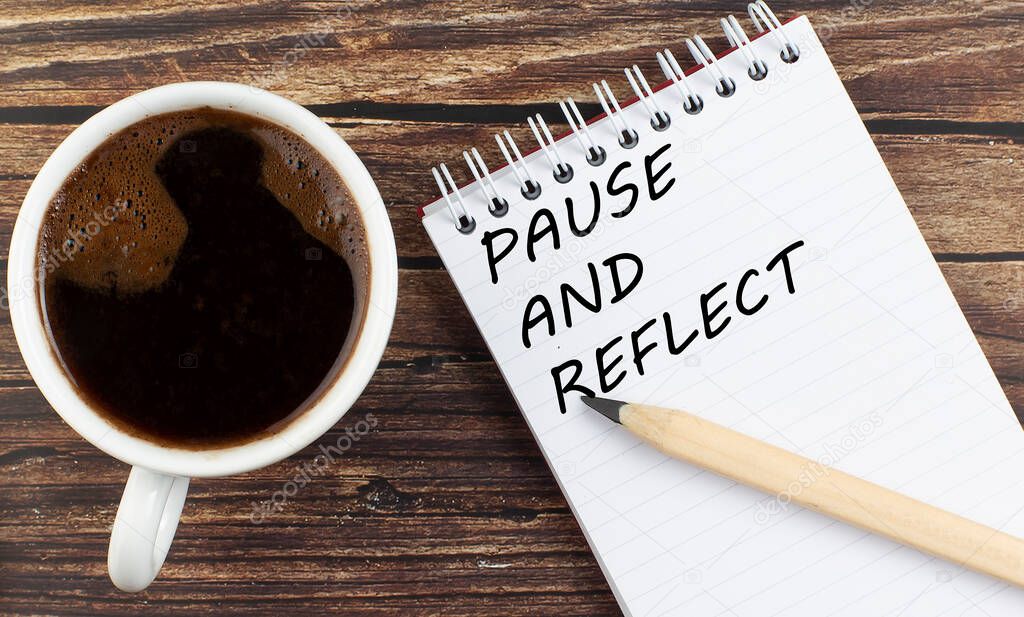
(868, 364)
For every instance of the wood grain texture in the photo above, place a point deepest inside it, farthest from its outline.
(447, 507)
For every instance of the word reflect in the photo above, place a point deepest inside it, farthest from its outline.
(717, 307)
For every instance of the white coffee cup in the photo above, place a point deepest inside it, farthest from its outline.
(155, 493)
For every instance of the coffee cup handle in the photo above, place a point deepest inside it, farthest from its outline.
(144, 527)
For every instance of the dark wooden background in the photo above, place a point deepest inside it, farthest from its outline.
(447, 508)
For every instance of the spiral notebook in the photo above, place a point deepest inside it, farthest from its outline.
(730, 242)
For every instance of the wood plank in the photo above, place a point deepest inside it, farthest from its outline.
(424, 497)
(907, 59)
(433, 330)
(450, 478)
(955, 185)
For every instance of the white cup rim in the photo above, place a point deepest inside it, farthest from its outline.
(332, 403)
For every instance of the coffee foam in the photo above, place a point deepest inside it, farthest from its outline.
(113, 227)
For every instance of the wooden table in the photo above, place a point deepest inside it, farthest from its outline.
(448, 507)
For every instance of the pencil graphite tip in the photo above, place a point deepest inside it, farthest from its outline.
(607, 407)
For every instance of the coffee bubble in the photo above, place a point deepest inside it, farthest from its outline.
(126, 231)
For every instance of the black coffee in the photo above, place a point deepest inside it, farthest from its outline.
(204, 273)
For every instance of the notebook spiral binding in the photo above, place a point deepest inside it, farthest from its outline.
(764, 20)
